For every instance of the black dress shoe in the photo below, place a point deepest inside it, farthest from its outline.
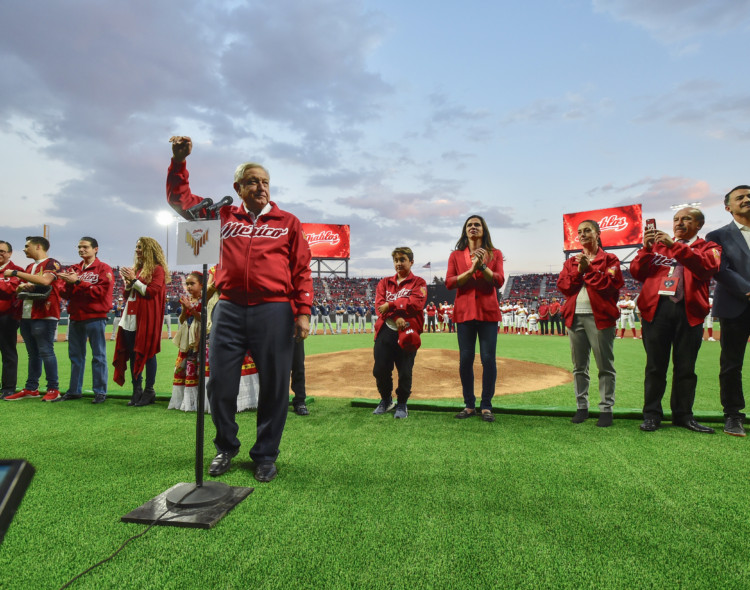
(265, 472)
(220, 464)
(301, 409)
(694, 426)
(733, 426)
(649, 425)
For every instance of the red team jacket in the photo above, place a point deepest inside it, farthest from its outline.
(50, 307)
(92, 297)
(476, 299)
(9, 305)
(701, 260)
(407, 300)
(603, 281)
(261, 262)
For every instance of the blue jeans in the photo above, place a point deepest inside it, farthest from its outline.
(78, 333)
(39, 337)
(468, 333)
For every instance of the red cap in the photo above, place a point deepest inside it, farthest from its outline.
(409, 339)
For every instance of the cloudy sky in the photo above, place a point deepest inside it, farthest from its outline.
(397, 118)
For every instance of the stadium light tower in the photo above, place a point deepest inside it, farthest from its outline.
(165, 218)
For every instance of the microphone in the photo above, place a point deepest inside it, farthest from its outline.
(212, 208)
(196, 209)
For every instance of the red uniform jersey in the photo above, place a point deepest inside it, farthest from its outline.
(476, 299)
(406, 300)
(92, 297)
(262, 260)
(701, 260)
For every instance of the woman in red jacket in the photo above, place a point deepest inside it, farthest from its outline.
(591, 283)
(139, 333)
(475, 268)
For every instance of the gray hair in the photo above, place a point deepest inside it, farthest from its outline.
(240, 171)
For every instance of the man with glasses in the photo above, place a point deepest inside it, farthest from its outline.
(9, 312)
(266, 292)
(88, 289)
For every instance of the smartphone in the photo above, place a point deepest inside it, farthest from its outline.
(650, 224)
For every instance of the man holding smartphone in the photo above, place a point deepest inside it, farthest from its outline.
(675, 272)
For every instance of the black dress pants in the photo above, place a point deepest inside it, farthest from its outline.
(734, 335)
(670, 332)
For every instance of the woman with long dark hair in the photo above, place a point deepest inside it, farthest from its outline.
(139, 333)
(475, 268)
(591, 282)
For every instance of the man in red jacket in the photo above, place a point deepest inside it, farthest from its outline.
(9, 312)
(675, 273)
(39, 317)
(88, 289)
(263, 275)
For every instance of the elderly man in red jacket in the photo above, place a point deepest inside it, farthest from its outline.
(266, 292)
(675, 272)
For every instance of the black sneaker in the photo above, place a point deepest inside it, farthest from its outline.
(581, 415)
(68, 397)
(384, 406)
(401, 411)
(99, 398)
(301, 409)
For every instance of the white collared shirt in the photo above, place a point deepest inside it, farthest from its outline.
(745, 231)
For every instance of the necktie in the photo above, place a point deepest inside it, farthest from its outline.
(679, 274)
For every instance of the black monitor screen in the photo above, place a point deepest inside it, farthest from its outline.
(15, 476)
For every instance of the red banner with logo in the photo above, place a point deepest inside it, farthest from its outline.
(621, 226)
(327, 240)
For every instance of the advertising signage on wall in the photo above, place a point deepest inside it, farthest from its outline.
(621, 227)
(327, 240)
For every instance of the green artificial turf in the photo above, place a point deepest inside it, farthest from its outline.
(369, 501)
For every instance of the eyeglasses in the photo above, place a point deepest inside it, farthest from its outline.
(254, 182)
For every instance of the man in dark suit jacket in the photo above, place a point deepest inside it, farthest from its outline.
(732, 304)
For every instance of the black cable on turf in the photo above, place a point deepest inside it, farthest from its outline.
(106, 559)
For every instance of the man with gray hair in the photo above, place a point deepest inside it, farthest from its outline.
(266, 291)
(675, 272)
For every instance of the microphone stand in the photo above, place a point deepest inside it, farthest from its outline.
(200, 504)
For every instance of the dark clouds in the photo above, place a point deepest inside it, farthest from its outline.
(105, 85)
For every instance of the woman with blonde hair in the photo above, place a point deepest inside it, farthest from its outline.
(139, 333)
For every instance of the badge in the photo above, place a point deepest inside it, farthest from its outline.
(669, 286)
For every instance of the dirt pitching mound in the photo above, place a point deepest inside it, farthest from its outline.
(349, 374)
